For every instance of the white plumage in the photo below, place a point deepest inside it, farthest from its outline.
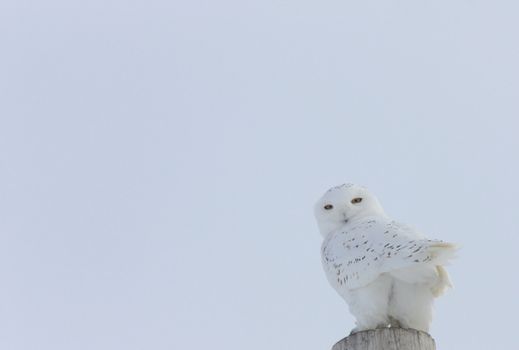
(387, 272)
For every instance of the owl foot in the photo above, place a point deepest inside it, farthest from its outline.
(394, 323)
(360, 329)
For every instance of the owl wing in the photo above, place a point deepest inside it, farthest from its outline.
(357, 255)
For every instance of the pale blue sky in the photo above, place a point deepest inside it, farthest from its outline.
(159, 161)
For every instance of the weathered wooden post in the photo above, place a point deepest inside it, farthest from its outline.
(387, 339)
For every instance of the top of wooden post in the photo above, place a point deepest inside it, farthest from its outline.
(387, 339)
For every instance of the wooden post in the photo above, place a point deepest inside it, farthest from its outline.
(387, 339)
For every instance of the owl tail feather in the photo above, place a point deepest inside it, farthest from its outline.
(442, 252)
(443, 283)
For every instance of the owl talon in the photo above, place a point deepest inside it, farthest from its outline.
(355, 330)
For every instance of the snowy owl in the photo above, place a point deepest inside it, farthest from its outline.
(388, 273)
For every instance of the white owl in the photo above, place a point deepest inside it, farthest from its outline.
(388, 273)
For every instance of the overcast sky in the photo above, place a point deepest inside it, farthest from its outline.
(159, 163)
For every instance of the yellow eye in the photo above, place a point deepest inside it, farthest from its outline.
(328, 206)
(356, 200)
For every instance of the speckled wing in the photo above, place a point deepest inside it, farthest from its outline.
(357, 254)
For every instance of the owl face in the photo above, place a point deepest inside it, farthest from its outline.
(343, 204)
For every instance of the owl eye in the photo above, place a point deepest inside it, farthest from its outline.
(356, 200)
(328, 206)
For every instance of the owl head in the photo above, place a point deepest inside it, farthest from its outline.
(344, 204)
